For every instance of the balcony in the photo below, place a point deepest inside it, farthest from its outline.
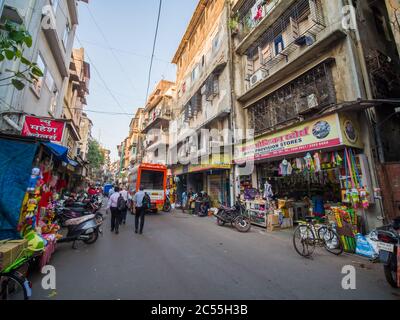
(159, 116)
(155, 141)
(253, 20)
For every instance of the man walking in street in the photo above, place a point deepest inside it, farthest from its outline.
(126, 196)
(140, 209)
(115, 213)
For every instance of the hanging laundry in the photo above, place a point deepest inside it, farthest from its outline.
(260, 13)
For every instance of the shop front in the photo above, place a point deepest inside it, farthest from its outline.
(31, 182)
(212, 177)
(311, 169)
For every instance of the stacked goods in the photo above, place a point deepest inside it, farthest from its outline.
(286, 207)
(10, 251)
(273, 222)
(346, 220)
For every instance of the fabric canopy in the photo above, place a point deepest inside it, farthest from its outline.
(60, 152)
(16, 158)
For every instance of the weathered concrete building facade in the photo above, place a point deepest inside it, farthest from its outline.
(158, 114)
(52, 25)
(203, 104)
(296, 64)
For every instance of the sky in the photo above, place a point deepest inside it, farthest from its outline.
(118, 39)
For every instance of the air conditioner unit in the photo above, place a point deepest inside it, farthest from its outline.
(260, 75)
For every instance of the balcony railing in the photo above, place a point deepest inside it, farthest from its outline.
(297, 28)
(163, 114)
(252, 15)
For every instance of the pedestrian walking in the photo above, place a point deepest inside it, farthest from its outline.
(124, 193)
(184, 200)
(115, 212)
(141, 203)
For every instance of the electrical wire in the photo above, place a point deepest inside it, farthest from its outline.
(110, 48)
(154, 48)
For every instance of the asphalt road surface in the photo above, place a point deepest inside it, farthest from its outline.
(185, 257)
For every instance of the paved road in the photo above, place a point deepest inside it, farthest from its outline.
(185, 257)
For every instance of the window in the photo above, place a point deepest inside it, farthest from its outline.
(216, 43)
(37, 85)
(66, 34)
(152, 180)
(49, 80)
(53, 101)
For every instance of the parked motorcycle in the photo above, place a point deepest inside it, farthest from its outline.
(389, 244)
(84, 229)
(235, 216)
(64, 214)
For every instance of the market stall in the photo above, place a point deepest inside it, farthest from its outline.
(314, 169)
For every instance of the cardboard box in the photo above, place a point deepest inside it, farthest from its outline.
(273, 219)
(273, 228)
(10, 251)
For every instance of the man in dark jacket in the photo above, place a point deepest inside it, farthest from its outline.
(140, 209)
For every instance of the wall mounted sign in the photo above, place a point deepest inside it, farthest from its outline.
(43, 128)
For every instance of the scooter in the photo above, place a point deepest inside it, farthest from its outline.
(64, 214)
(84, 229)
(389, 246)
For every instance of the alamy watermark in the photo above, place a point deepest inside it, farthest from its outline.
(349, 281)
(49, 278)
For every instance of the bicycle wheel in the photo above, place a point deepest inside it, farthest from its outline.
(13, 287)
(331, 240)
(304, 240)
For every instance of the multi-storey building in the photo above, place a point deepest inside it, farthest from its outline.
(86, 134)
(75, 101)
(155, 128)
(302, 82)
(203, 104)
(136, 138)
(52, 24)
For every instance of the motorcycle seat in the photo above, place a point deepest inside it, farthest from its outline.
(78, 221)
(227, 208)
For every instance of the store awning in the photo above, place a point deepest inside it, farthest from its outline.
(60, 152)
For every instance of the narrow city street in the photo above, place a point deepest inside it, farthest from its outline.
(185, 257)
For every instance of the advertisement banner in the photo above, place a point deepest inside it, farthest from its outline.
(43, 129)
(313, 135)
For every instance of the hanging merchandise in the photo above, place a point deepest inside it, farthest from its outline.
(309, 162)
(34, 180)
(317, 162)
(285, 167)
(268, 193)
(346, 220)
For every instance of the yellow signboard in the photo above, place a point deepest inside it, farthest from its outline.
(322, 133)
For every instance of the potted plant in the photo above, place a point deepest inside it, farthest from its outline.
(234, 25)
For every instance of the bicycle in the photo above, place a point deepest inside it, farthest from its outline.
(307, 236)
(13, 284)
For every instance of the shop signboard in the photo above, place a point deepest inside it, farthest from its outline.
(42, 128)
(214, 162)
(323, 133)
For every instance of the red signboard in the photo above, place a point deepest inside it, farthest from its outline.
(43, 129)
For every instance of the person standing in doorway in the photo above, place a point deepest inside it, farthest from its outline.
(115, 213)
(140, 209)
